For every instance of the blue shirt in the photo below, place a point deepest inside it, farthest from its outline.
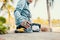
(22, 12)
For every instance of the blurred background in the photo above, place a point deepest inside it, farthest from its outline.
(44, 12)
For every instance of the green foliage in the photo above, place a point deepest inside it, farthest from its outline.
(2, 20)
(11, 0)
(3, 29)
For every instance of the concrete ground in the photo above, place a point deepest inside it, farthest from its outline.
(31, 36)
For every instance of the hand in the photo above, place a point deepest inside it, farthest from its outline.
(26, 24)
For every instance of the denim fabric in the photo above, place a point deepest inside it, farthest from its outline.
(22, 12)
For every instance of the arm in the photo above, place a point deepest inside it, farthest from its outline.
(21, 20)
(17, 13)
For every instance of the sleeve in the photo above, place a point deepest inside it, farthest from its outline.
(21, 4)
(17, 13)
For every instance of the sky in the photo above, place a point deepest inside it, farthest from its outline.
(40, 9)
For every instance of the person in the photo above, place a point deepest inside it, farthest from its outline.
(22, 15)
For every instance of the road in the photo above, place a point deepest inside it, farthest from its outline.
(31, 36)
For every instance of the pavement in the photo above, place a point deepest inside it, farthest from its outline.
(31, 36)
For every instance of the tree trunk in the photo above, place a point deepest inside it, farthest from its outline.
(48, 12)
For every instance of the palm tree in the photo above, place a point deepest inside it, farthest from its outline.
(35, 3)
(48, 11)
(49, 4)
(8, 7)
